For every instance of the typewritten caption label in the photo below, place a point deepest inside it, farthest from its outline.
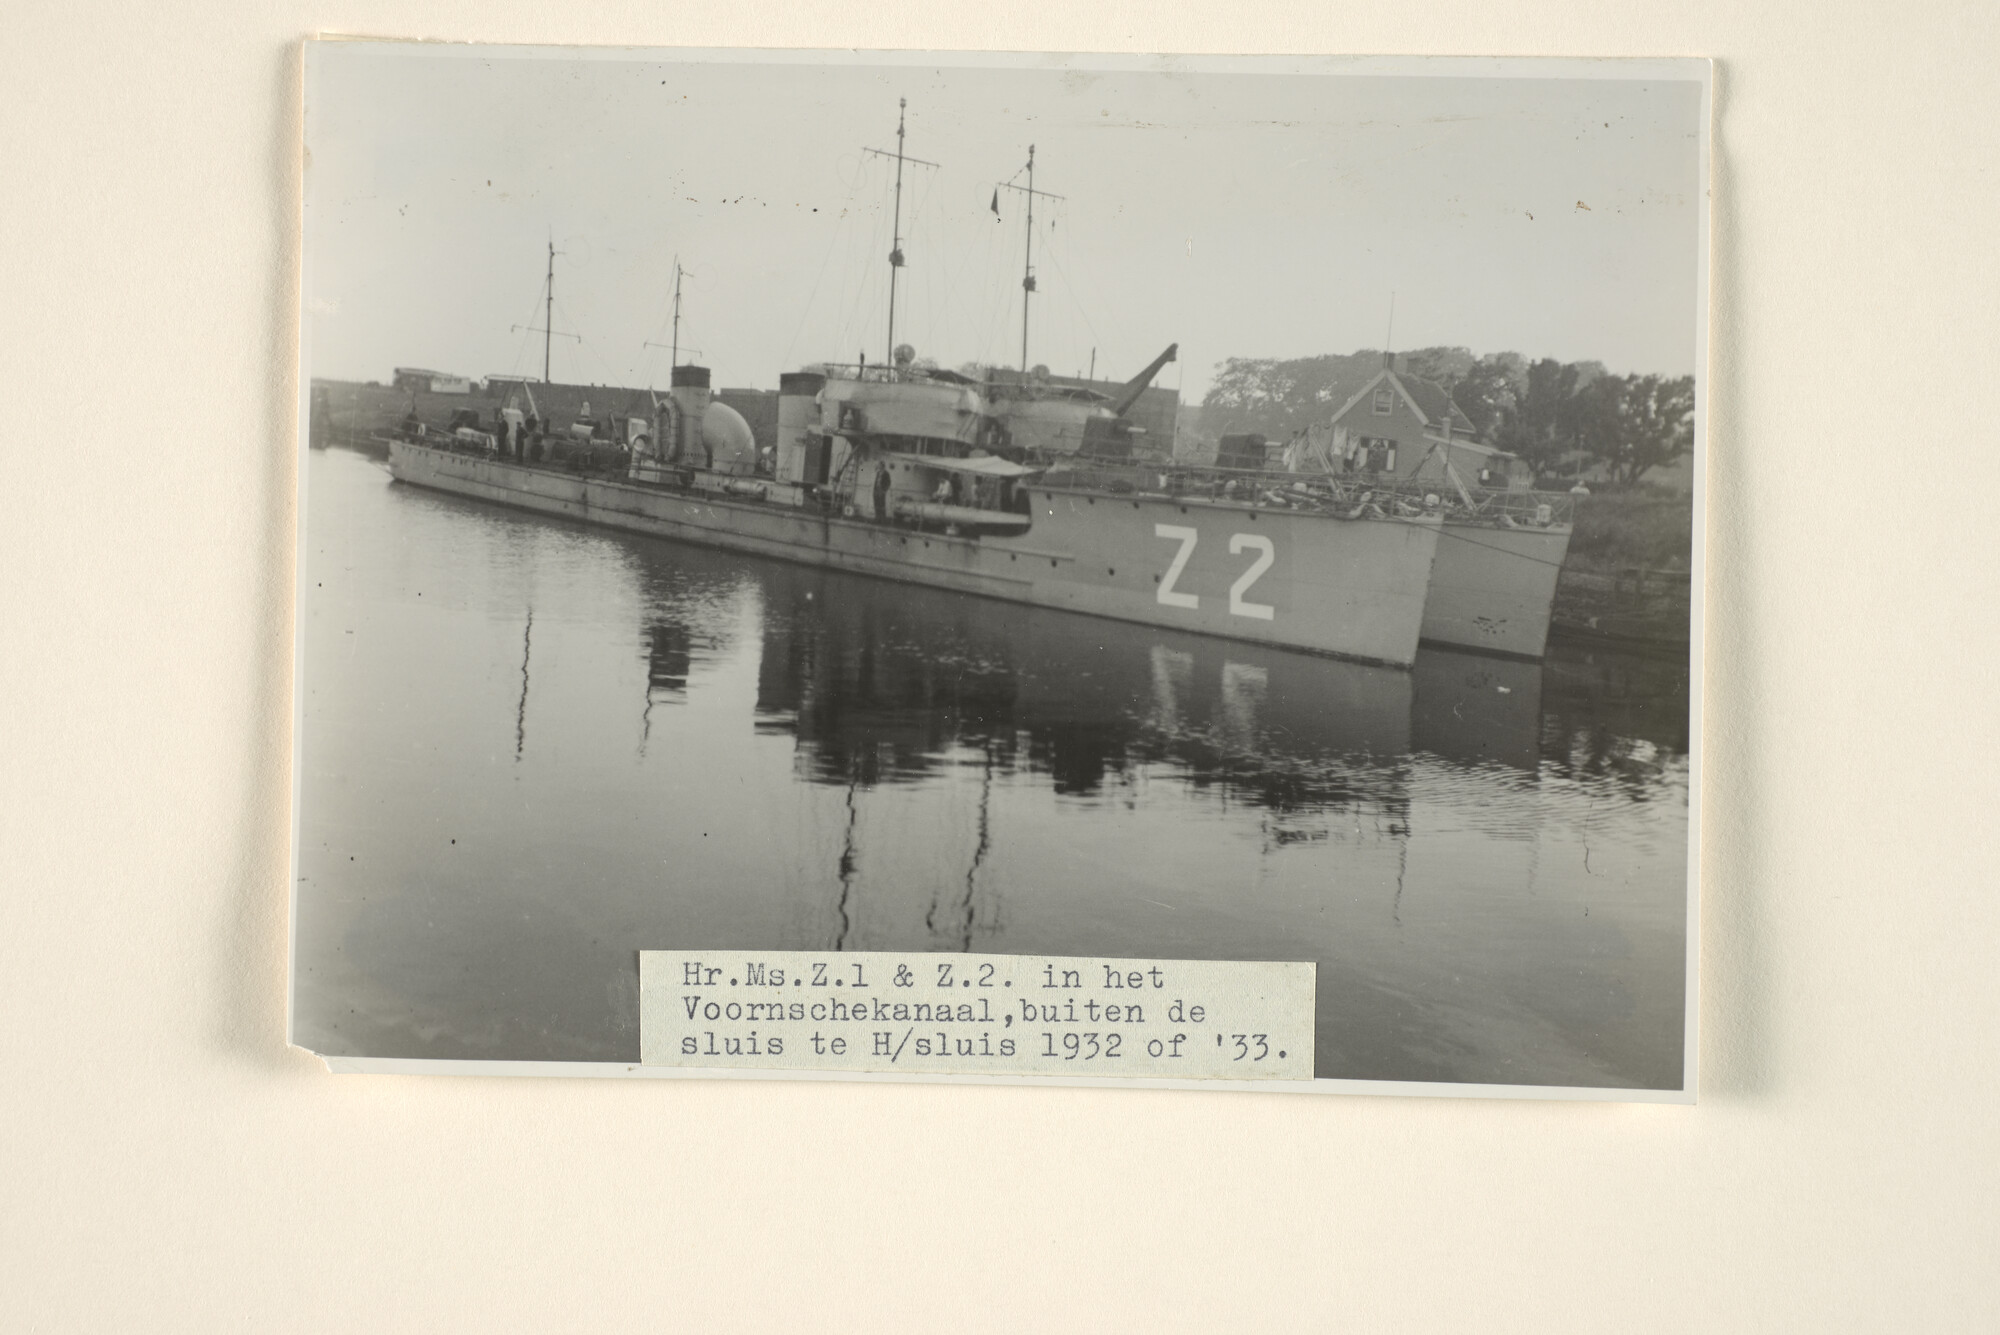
(1045, 1015)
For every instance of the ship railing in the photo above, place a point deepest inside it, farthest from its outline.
(885, 374)
(1537, 509)
(871, 371)
(1355, 494)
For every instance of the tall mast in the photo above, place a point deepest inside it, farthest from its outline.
(1027, 261)
(674, 348)
(896, 228)
(547, 328)
(1028, 254)
(674, 351)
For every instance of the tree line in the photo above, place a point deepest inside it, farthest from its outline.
(1559, 416)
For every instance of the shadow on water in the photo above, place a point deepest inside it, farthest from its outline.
(881, 682)
(882, 685)
(886, 682)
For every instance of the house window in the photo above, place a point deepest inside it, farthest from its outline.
(1385, 402)
(1378, 456)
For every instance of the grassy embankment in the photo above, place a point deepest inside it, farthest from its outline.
(1626, 576)
(1647, 527)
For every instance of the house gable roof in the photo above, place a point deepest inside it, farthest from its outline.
(1367, 388)
(1342, 390)
(1433, 402)
(1426, 398)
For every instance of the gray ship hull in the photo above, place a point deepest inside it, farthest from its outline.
(1352, 588)
(1492, 588)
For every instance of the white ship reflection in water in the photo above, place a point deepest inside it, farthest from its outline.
(532, 749)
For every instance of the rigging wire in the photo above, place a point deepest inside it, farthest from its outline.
(1000, 311)
(690, 342)
(1080, 307)
(953, 330)
(805, 313)
(963, 290)
(611, 377)
(920, 217)
(852, 326)
(940, 288)
(652, 344)
(1076, 309)
(845, 226)
(869, 290)
(527, 327)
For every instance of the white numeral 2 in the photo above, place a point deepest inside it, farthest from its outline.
(1186, 537)
(1238, 544)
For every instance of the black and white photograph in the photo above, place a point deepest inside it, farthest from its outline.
(1123, 508)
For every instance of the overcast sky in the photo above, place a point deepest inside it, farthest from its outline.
(1256, 215)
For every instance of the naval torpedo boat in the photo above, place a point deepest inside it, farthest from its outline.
(1020, 491)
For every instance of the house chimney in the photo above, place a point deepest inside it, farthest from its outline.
(1388, 360)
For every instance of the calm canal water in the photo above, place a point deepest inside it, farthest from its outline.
(533, 748)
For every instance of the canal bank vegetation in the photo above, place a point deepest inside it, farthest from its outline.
(1573, 421)
(1643, 525)
(1627, 438)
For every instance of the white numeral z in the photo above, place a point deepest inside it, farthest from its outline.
(1186, 537)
